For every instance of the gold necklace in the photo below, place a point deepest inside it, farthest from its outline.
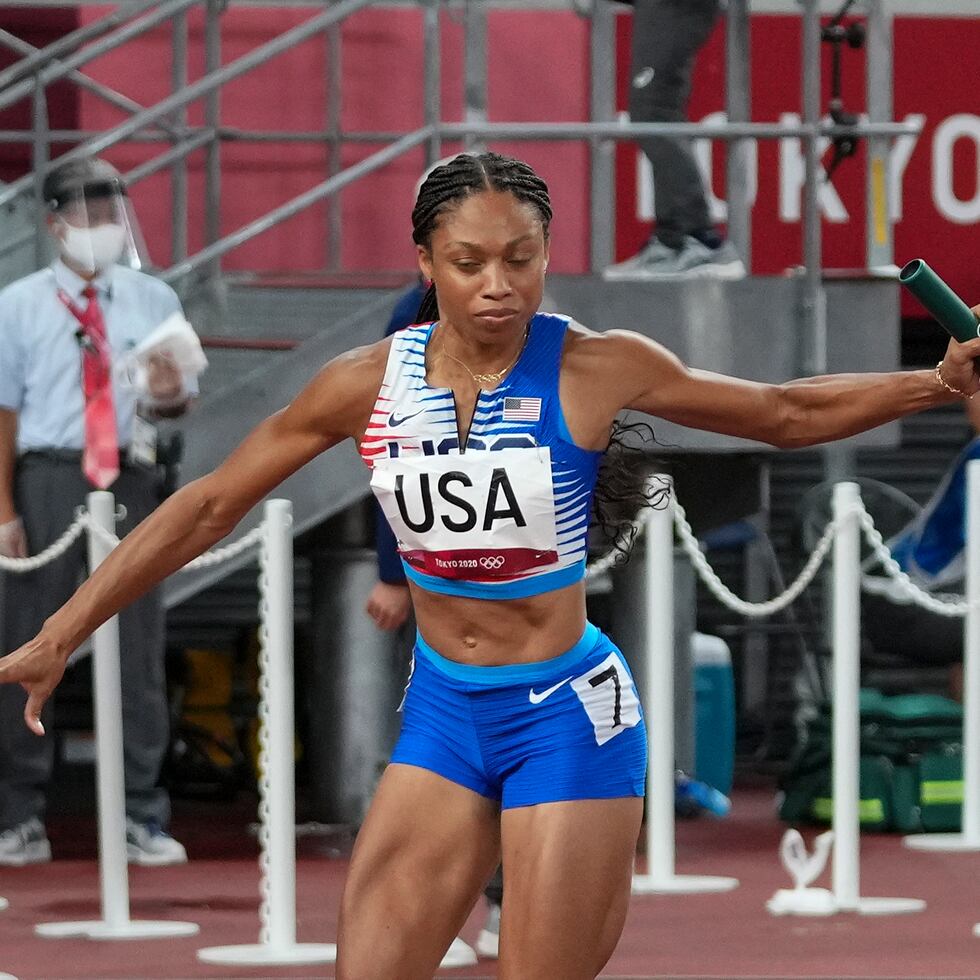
(490, 377)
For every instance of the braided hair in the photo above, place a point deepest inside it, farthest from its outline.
(622, 488)
(470, 173)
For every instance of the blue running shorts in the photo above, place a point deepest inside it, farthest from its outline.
(568, 728)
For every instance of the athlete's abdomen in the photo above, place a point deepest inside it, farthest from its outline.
(519, 631)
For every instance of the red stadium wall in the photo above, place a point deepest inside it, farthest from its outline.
(39, 28)
(382, 70)
(539, 70)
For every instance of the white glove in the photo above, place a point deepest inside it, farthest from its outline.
(13, 540)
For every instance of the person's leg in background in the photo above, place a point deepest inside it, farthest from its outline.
(46, 495)
(488, 942)
(667, 35)
(146, 713)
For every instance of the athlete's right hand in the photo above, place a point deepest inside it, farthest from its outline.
(388, 605)
(13, 540)
(37, 666)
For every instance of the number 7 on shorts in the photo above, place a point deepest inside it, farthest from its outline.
(609, 698)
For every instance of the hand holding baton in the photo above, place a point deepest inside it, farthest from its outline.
(948, 309)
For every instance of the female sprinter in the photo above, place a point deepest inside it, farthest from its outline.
(522, 731)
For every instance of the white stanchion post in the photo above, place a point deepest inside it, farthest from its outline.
(113, 871)
(846, 643)
(277, 943)
(969, 838)
(3, 904)
(659, 708)
(846, 639)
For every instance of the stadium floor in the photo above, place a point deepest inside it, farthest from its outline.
(723, 935)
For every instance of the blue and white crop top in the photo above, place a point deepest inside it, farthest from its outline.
(507, 517)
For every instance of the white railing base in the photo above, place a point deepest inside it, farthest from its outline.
(265, 954)
(941, 842)
(885, 906)
(98, 929)
(802, 901)
(681, 884)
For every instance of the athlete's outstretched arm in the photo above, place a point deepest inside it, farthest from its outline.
(335, 405)
(637, 373)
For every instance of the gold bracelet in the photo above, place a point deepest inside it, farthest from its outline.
(941, 381)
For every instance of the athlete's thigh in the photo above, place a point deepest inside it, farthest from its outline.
(567, 873)
(426, 849)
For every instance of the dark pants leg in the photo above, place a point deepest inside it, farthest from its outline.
(667, 35)
(494, 891)
(47, 493)
(142, 632)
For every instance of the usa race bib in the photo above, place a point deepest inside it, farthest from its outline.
(477, 515)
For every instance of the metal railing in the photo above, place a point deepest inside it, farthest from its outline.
(166, 122)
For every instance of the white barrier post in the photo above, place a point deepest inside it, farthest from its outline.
(277, 785)
(969, 838)
(659, 707)
(113, 871)
(846, 638)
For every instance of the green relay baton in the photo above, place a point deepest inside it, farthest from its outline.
(951, 312)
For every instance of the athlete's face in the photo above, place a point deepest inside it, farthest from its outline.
(487, 258)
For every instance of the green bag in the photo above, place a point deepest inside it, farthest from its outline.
(910, 767)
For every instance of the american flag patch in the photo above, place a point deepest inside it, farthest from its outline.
(522, 409)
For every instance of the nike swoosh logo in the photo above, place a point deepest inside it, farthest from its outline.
(392, 421)
(536, 698)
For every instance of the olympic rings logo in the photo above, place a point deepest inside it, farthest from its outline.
(492, 561)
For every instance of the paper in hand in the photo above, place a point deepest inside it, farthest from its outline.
(174, 338)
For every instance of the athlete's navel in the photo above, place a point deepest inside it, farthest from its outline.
(469, 642)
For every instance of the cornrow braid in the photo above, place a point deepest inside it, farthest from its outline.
(470, 173)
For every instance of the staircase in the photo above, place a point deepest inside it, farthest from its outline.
(247, 383)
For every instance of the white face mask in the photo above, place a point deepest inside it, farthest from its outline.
(94, 249)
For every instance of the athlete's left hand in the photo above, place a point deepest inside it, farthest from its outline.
(959, 366)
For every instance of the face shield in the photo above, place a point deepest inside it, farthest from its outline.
(95, 227)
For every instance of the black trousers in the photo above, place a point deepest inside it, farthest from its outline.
(667, 35)
(47, 491)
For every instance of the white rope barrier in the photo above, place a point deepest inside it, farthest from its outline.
(207, 560)
(842, 533)
(276, 783)
(113, 871)
(725, 595)
(659, 700)
(277, 940)
(53, 551)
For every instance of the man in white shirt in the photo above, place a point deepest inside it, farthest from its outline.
(69, 424)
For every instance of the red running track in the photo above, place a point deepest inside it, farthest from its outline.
(727, 935)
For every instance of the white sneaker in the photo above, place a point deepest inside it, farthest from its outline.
(649, 262)
(458, 954)
(656, 261)
(148, 844)
(27, 843)
(488, 942)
